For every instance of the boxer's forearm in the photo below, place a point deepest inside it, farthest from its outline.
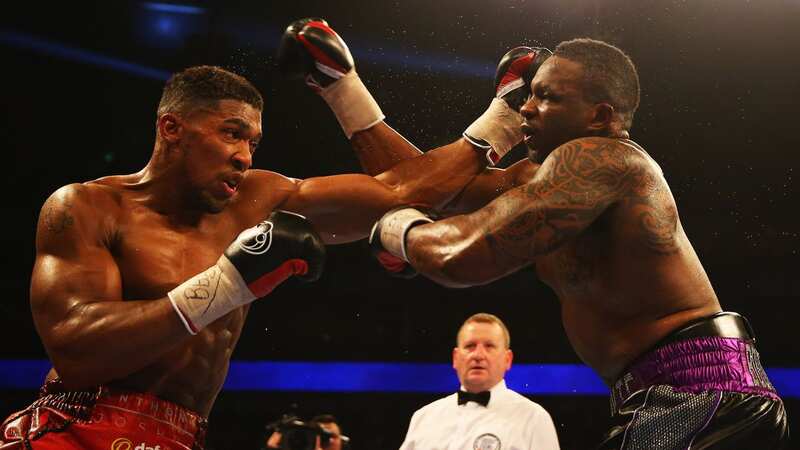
(343, 208)
(377, 146)
(103, 341)
(380, 148)
(486, 245)
(436, 177)
(488, 185)
(453, 253)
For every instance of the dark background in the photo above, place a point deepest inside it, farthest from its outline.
(720, 88)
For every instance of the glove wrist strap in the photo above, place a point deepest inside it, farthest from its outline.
(210, 295)
(353, 105)
(496, 131)
(395, 226)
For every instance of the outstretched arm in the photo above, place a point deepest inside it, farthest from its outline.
(311, 50)
(576, 183)
(343, 208)
(488, 185)
(381, 147)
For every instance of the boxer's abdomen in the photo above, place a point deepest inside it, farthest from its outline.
(192, 374)
(618, 298)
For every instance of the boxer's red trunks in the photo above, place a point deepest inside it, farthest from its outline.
(103, 419)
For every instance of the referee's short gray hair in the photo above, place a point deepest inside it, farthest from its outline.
(486, 318)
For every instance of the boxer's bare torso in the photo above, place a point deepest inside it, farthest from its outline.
(108, 251)
(630, 278)
(599, 224)
(142, 254)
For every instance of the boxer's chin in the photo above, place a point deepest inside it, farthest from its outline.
(212, 204)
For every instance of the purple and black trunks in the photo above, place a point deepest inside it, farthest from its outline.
(701, 387)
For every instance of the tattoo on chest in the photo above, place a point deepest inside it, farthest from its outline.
(57, 218)
(580, 181)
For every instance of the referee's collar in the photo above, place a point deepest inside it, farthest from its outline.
(496, 389)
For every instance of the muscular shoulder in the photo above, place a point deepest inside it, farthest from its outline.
(80, 199)
(594, 152)
(265, 184)
(76, 210)
(259, 193)
(597, 161)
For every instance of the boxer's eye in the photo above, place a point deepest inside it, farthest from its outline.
(542, 94)
(230, 133)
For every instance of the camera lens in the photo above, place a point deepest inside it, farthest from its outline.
(299, 439)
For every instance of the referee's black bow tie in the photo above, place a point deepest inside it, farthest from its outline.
(480, 397)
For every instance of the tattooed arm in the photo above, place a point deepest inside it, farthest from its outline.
(576, 183)
(90, 334)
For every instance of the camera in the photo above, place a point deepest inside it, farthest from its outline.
(299, 435)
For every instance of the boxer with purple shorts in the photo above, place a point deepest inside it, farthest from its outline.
(593, 216)
(701, 387)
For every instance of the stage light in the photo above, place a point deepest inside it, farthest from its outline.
(59, 50)
(173, 8)
(167, 26)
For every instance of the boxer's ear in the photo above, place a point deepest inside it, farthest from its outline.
(602, 117)
(169, 127)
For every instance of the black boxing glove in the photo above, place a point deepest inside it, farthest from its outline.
(497, 130)
(311, 50)
(387, 240)
(258, 260)
(512, 80)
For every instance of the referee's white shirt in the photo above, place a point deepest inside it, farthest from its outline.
(509, 422)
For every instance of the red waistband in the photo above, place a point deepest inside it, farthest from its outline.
(103, 416)
(144, 404)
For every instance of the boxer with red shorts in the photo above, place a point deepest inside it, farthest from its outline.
(103, 418)
(142, 282)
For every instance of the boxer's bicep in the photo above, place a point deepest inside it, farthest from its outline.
(72, 265)
(342, 208)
